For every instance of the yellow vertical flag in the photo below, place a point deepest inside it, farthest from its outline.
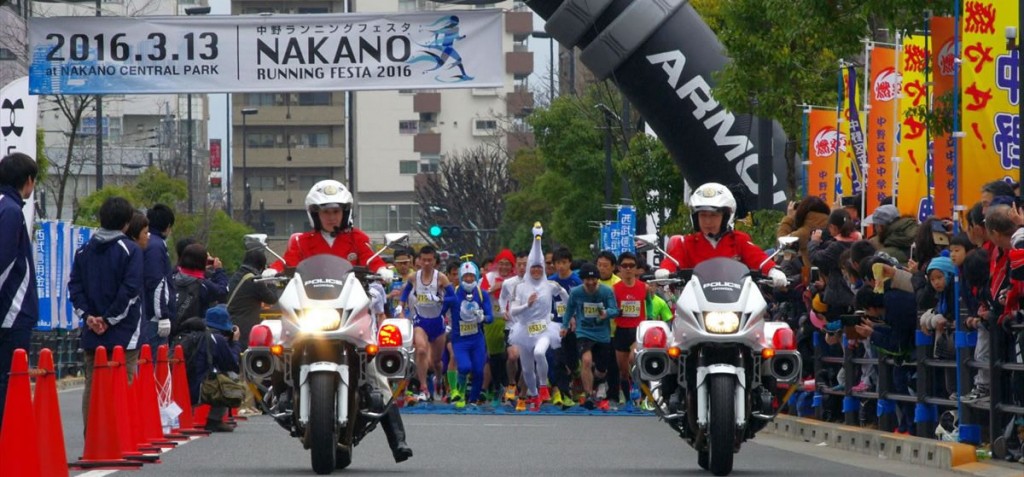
(990, 94)
(913, 148)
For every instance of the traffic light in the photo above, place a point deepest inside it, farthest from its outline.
(438, 230)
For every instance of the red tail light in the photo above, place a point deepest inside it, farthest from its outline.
(389, 337)
(783, 340)
(261, 336)
(655, 338)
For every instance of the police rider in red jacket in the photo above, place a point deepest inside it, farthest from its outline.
(713, 213)
(329, 207)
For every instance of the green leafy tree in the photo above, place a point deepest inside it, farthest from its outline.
(154, 186)
(87, 212)
(654, 179)
(221, 234)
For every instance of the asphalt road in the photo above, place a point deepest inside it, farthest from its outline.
(453, 445)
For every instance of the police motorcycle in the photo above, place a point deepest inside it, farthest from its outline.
(324, 355)
(714, 374)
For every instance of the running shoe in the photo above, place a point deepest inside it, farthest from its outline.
(645, 405)
(556, 397)
(604, 405)
(602, 391)
(461, 404)
(567, 402)
(510, 393)
(534, 403)
(456, 395)
(521, 405)
(421, 397)
(545, 394)
(588, 404)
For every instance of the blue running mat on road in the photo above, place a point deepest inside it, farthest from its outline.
(509, 410)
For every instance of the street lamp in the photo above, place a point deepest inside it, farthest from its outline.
(190, 12)
(551, 62)
(247, 194)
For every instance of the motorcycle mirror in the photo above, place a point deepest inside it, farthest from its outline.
(391, 238)
(255, 241)
(788, 242)
(645, 242)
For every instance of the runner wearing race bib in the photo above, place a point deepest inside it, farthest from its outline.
(590, 308)
(427, 293)
(564, 362)
(470, 311)
(631, 295)
(534, 332)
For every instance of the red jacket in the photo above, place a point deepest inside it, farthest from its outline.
(352, 245)
(691, 250)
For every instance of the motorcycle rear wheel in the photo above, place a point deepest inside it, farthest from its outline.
(722, 428)
(323, 422)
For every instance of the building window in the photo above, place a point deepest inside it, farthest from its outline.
(312, 10)
(263, 140)
(408, 167)
(313, 139)
(485, 127)
(314, 99)
(408, 126)
(260, 99)
(257, 10)
(6, 54)
(387, 217)
(429, 163)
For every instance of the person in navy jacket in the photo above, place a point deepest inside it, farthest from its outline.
(105, 283)
(222, 339)
(19, 303)
(156, 275)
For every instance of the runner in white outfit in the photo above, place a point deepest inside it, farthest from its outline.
(533, 331)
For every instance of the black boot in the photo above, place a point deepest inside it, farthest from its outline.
(395, 432)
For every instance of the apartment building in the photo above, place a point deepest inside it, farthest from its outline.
(401, 136)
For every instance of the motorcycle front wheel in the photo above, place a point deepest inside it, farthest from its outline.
(323, 422)
(722, 428)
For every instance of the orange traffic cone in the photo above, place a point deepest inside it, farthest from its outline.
(19, 451)
(53, 456)
(149, 407)
(129, 448)
(163, 375)
(186, 424)
(102, 442)
(199, 414)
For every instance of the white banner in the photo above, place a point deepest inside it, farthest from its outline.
(18, 115)
(218, 54)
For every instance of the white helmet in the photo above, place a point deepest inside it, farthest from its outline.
(713, 197)
(328, 194)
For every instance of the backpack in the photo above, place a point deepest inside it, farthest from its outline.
(191, 342)
(189, 302)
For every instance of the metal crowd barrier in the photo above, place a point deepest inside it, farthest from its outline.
(991, 414)
(66, 348)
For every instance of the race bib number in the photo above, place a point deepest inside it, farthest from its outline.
(631, 309)
(468, 328)
(423, 299)
(592, 310)
(560, 308)
(537, 327)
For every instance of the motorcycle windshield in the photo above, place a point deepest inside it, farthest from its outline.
(721, 279)
(323, 276)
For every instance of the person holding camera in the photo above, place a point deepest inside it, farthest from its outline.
(199, 283)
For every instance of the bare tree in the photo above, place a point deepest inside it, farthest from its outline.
(468, 192)
(73, 108)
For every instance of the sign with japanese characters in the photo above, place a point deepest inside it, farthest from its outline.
(912, 185)
(214, 54)
(884, 81)
(990, 95)
(825, 142)
(943, 52)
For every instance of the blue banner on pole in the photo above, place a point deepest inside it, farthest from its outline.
(627, 226)
(44, 274)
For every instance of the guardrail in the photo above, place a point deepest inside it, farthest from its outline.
(925, 375)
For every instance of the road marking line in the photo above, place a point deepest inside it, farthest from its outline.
(97, 473)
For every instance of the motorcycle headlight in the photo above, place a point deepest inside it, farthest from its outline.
(320, 319)
(721, 322)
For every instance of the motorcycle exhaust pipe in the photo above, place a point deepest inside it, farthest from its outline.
(653, 364)
(786, 367)
(257, 364)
